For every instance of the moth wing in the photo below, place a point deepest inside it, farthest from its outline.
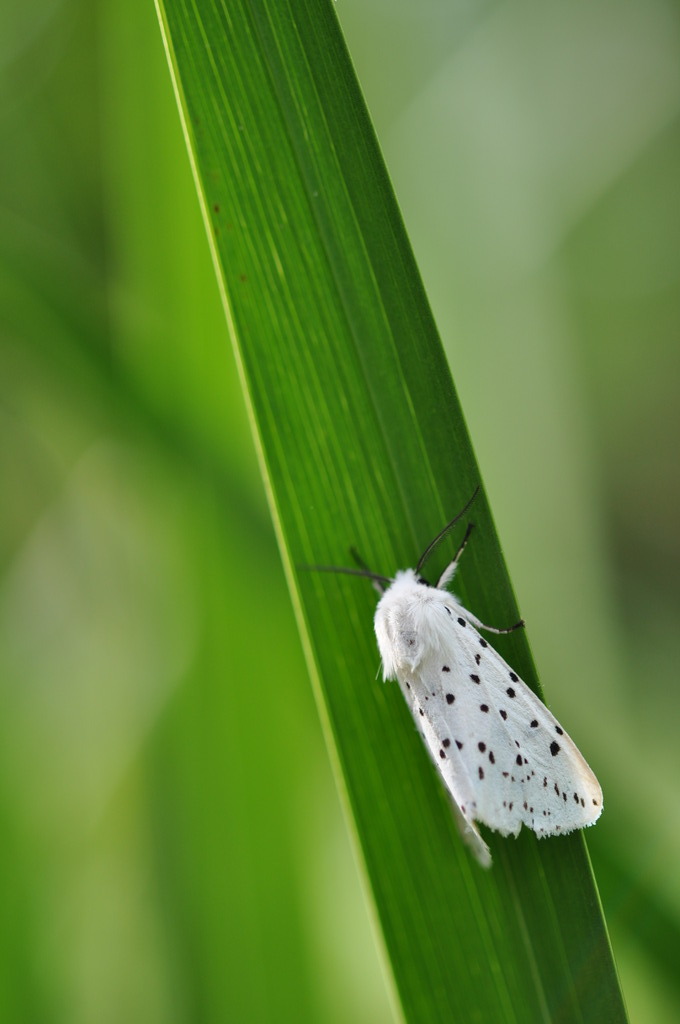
(534, 774)
(504, 758)
(459, 790)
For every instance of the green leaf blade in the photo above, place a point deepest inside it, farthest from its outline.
(363, 442)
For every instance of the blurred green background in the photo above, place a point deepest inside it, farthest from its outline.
(153, 867)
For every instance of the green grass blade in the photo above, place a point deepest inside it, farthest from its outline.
(363, 442)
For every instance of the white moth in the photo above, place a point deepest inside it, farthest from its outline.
(505, 760)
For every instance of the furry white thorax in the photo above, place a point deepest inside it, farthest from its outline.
(412, 624)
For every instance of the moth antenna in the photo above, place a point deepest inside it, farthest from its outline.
(442, 533)
(381, 583)
(358, 559)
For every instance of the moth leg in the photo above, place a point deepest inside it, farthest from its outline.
(474, 621)
(450, 570)
(463, 543)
